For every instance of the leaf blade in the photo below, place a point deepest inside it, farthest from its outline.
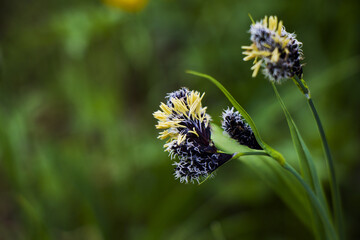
(272, 152)
(307, 166)
(270, 172)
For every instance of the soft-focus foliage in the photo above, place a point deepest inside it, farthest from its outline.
(79, 158)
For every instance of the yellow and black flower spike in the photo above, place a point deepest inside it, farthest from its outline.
(274, 49)
(235, 126)
(186, 126)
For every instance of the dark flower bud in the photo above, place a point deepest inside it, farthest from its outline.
(235, 126)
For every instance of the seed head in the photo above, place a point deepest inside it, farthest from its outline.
(235, 126)
(187, 127)
(274, 49)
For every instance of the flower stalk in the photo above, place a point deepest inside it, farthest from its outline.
(334, 186)
(258, 153)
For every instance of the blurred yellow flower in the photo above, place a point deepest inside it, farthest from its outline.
(127, 5)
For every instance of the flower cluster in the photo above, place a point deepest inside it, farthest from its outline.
(235, 126)
(186, 125)
(275, 49)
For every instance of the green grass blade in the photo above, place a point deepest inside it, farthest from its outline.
(335, 192)
(308, 169)
(271, 173)
(231, 99)
(272, 152)
(316, 204)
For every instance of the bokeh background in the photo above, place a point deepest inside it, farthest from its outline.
(79, 80)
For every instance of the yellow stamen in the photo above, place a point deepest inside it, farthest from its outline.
(247, 58)
(195, 107)
(179, 106)
(167, 110)
(275, 55)
(262, 53)
(168, 124)
(266, 45)
(255, 53)
(160, 115)
(285, 42)
(273, 23)
(276, 38)
(166, 134)
(247, 47)
(194, 132)
(265, 22)
(192, 97)
(280, 27)
(181, 138)
(256, 68)
(192, 100)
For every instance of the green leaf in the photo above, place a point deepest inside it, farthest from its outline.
(280, 180)
(308, 169)
(307, 166)
(272, 152)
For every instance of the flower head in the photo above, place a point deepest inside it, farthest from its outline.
(275, 49)
(235, 126)
(186, 125)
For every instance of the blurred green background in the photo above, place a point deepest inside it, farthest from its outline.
(79, 80)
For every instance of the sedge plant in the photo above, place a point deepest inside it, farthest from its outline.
(279, 54)
(199, 147)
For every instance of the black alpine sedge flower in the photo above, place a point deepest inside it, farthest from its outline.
(235, 126)
(187, 128)
(275, 49)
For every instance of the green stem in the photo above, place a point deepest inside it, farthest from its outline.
(330, 231)
(237, 155)
(335, 193)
